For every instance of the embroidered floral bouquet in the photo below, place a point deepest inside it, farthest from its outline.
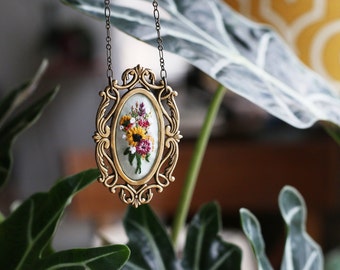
(135, 126)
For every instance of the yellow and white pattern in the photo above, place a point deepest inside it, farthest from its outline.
(311, 28)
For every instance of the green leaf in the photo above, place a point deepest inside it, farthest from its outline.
(108, 257)
(301, 251)
(27, 232)
(16, 97)
(139, 164)
(2, 217)
(204, 248)
(149, 242)
(131, 157)
(151, 247)
(252, 229)
(239, 54)
(11, 128)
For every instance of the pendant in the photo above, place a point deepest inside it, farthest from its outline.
(137, 136)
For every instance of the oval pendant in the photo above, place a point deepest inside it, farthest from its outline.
(137, 136)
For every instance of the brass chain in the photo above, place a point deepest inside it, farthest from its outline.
(160, 47)
(107, 13)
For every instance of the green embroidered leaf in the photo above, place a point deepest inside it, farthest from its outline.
(149, 242)
(301, 251)
(147, 157)
(239, 54)
(131, 157)
(11, 127)
(252, 229)
(204, 248)
(127, 151)
(26, 234)
(139, 164)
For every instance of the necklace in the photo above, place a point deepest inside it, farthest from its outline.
(137, 126)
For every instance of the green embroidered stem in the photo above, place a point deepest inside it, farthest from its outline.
(195, 165)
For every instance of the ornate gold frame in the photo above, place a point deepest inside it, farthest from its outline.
(137, 81)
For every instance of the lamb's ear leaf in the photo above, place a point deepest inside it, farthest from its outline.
(241, 55)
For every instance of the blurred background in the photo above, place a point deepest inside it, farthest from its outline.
(251, 155)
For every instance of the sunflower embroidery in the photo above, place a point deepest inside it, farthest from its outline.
(135, 126)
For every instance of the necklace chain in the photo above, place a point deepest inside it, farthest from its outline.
(160, 47)
(107, 13)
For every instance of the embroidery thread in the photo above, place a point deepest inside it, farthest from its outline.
(135, 127)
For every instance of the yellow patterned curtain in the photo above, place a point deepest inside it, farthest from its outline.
(311, 28)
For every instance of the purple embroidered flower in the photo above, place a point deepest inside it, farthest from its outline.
(141, 111)
(143, 147)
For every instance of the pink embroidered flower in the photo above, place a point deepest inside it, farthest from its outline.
(143, 147)
(144, 123)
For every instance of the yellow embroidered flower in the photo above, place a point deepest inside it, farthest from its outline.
(135, 135)
(125, 120)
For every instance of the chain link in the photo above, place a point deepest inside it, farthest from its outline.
(107, 13)
(160, 47)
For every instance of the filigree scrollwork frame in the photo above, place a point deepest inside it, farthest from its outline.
(137, 136)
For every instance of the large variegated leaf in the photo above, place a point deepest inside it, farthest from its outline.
(247, 58)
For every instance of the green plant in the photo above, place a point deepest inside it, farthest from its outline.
(244, 54)
(10, 127)
(26, 234)
(300, 252)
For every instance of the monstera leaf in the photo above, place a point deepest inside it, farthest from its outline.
(25, 236)
(10, 127)
(151, 247)
(247, 58)
(301, 252)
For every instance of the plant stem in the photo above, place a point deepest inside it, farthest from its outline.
(333, 131)
(195, 164)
